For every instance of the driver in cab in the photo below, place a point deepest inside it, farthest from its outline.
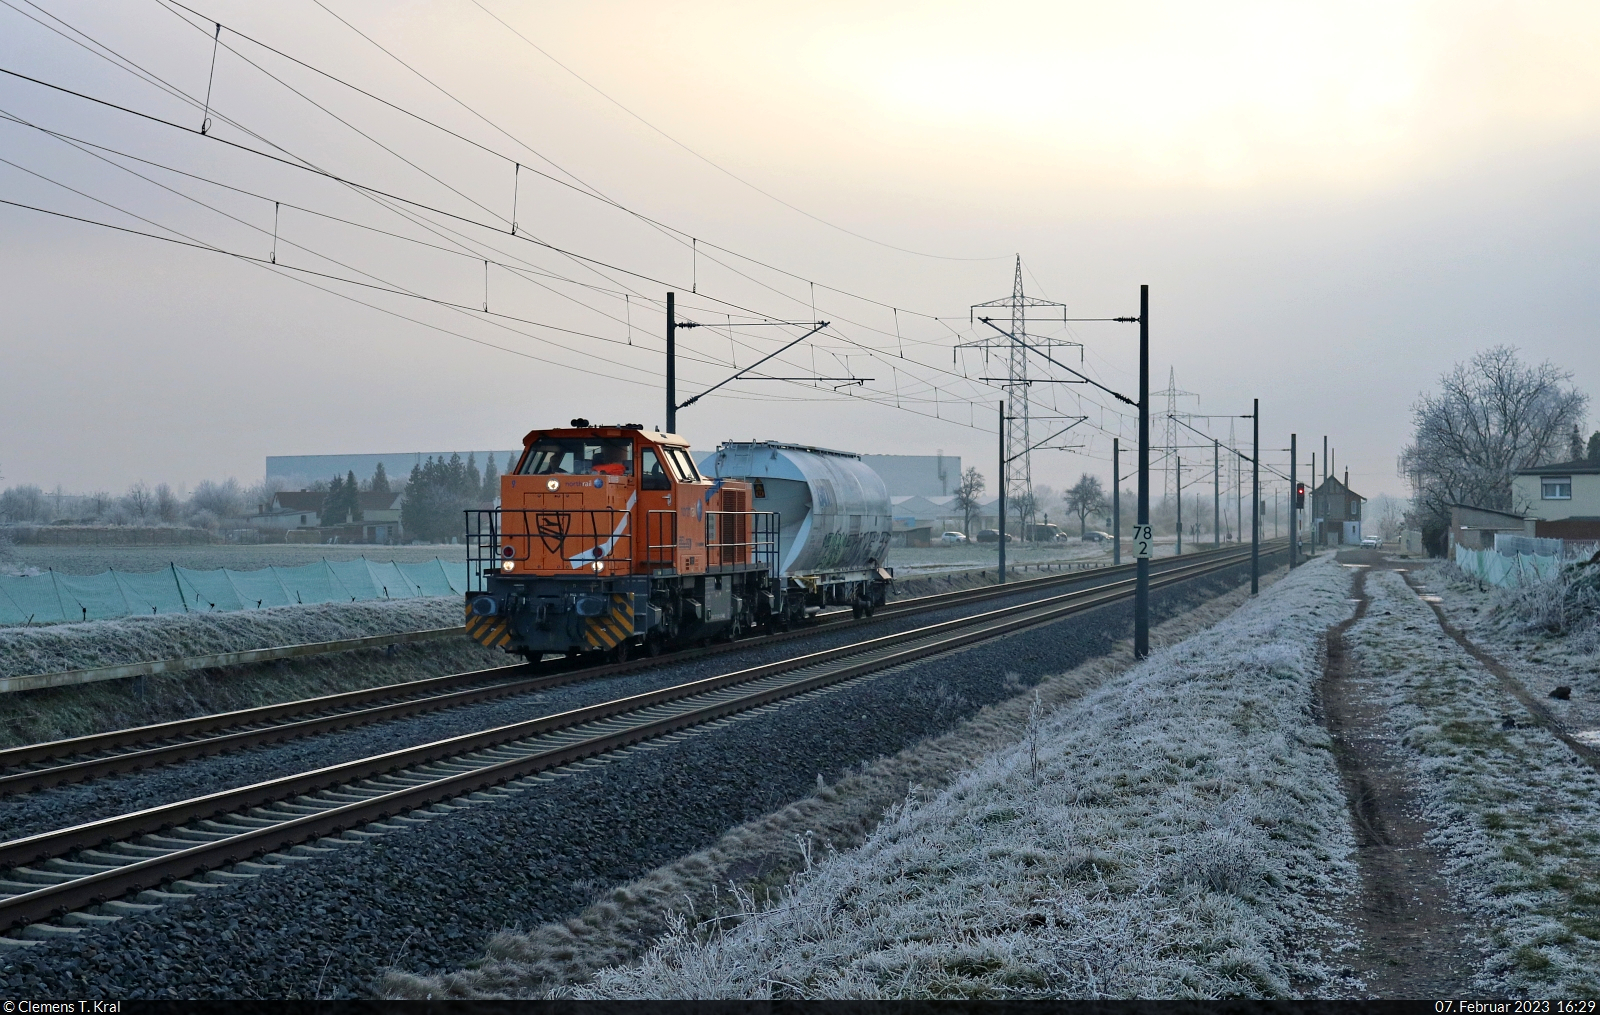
(614, 460)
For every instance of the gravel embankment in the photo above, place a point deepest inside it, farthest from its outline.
(427, 900)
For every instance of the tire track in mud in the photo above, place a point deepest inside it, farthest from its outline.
(1510, 684)
(1414, 942)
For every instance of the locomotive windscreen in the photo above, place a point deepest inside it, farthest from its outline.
(576, 456)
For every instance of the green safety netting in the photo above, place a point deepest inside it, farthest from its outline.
(1506, 571)
(53, 597)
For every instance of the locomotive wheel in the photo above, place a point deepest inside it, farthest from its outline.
(653, 644)
(619, 654)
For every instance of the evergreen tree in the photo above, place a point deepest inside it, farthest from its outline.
(352, 496)
(1594, 447)
(335, 509)
(491, 480)
(380, 480)
(455, 475)
(474, 482)
(1574, 445)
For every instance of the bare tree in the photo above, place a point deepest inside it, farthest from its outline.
(223, 500)
(1491, 417)
(1085, 498)
(166, 504)
(1389, 512)
(966, 497)
(22, 504)
(139, 500)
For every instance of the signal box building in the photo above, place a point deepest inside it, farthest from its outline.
(1336, 512)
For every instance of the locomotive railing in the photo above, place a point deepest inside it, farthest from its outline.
(742, 537)
(660, 538)
(498, 538)
(579, 537)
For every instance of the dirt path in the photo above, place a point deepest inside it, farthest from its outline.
(1413, 942)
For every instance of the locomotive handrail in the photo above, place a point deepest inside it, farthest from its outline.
(655, 527)
(552, 529)
(762, 545)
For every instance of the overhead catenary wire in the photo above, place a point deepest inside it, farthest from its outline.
(898, 395)
(577, 184)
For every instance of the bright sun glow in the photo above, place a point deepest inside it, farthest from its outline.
(1223, 95)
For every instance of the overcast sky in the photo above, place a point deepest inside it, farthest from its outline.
(1331, 204)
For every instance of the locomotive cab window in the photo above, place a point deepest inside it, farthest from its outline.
(653, 475)
(682, 464)
(579, 456)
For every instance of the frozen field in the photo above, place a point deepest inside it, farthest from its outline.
(89, 560)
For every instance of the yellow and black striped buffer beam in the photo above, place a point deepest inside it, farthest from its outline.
(492, 632)
(613, 627)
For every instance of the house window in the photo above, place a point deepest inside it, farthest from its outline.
(1556, 488)
(302, 519)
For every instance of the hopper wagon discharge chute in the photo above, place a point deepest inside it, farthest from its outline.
(609, 539)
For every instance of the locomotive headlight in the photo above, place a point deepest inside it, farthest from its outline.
(599, 566)
(509, 565)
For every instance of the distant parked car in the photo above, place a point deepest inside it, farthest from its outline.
(1096, 536)
(1375, 542)
(993, 536)
(953, 538)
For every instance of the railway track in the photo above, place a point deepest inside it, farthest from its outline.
(193, 846)
(40, 766)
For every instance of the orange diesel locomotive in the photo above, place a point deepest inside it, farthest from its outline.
(608, 538)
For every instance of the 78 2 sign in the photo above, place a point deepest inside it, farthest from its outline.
(1143, 541)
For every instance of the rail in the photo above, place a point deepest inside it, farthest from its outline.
(234, 825)
(102, 754)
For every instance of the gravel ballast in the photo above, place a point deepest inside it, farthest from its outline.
(427, 899)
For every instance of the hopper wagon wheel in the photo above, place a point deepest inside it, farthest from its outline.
(857, 610)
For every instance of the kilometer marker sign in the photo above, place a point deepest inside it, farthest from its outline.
(1143, 540)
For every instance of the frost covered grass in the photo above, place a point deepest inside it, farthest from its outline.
(89, 560)
(57, 647)
(54, 713)
(1513, 809)
(1541, 659)
(1566, 604)
(1179, 832)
